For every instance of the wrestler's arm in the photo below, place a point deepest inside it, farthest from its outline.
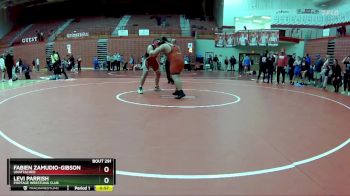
(163, 48)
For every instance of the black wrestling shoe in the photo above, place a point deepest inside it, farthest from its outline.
(176, 92)
(180, 94)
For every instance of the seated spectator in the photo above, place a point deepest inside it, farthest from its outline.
(26, 71)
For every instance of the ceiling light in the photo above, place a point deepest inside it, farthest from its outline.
(265, 17)
(257, 21)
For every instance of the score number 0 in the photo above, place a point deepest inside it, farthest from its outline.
(106, 179)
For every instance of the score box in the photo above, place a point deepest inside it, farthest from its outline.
(61, 174)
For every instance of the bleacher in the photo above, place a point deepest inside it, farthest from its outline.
(5, 41)
(47, 28)
(203, 28)
(95, 26)
(166, 24)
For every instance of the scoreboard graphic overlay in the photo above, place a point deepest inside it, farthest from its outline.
(97, 174)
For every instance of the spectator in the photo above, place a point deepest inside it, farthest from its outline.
(304, 70)
(297, 70)
(33, 64)
(215, 62)
(325, 72)
(246, 64)
(307, 60)
(79, 63)
(71, 64)
(346, 61)
(41, 36)
(95, 62)
(210, 61)
(108, 61)
(187, 63)
(2, 67)
(291, 68)
(37, 64)
(336, 76)
(226, 63)
(281, 66)
(131, 62)
(262, 67)
(318, 68)
(221, 62)
(26, 71)
(9, 63)
(233, 62)
(118, 58)
(270, 67)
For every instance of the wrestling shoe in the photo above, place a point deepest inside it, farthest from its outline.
(180, 94)
(157, 88)
(176, 92)
(140, 90)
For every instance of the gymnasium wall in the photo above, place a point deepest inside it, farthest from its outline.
(87, 49)
(29, 52)
(136, 46)
(314, 47)
(342, 49)
(204, 46)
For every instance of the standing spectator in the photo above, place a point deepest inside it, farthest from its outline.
(310, 73)
(304, 70)
(336, 76)
(240, 68)
(71, 62)
(33, 64)
(246, 64)
(9, 63)
(325, 72)
(108, 62)
(215, 62)
(262, 66)
(38, 35)
(297, 70)
(281, 66)
(131, 62)
(37, 64)
(210, 61)
(233, 62)
(226, 63)
(187, 63)
(122, 62)
(307, 60)
(2, 67)
(79, 63)
(346, 61)
(317, 71)
(118, 58)
(95, 62)
(114, 61)
(41, 36)
(291, 68)
(270, 67)
(221, 62)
